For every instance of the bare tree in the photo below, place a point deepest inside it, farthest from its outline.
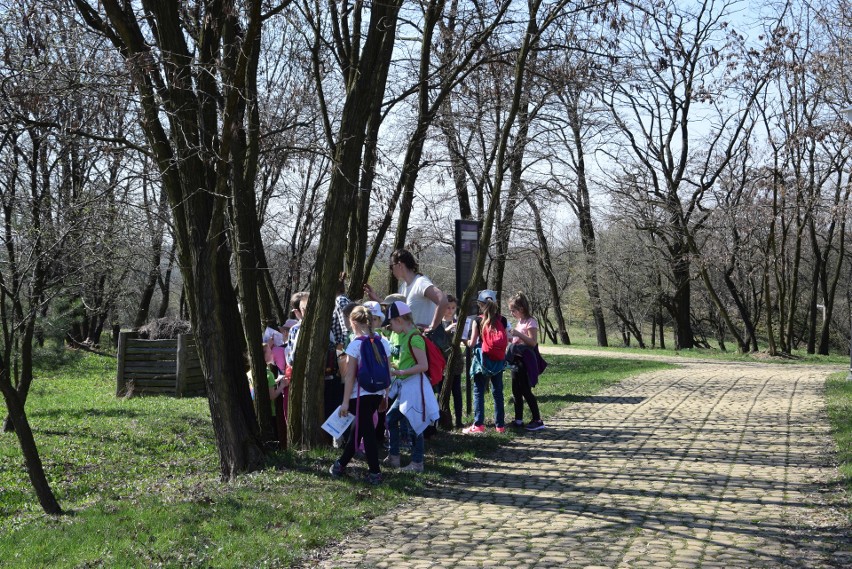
(668, 73)
(199, 153)
(366, 70)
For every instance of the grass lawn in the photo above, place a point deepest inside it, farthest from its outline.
(839, 402)
(581, 339)
(139, 477)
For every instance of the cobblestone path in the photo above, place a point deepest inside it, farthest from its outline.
(712, 464)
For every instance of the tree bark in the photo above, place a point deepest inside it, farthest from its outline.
(544, 261)
(583, 209)
(18, 417)
(367, 92)
(528, 42)
(195, 170)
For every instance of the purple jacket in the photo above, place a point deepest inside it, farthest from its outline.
(529, 358)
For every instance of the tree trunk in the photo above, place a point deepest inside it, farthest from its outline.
(684, 337)
(148, 291)
(213, 308)
(366, 93)
(546, 265)
(165, 282)
(583, 209)
(35, 469)
(529, 39)
(448, 128)
(516, 169)
(360, 219)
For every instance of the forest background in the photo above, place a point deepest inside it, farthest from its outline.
(653, 173)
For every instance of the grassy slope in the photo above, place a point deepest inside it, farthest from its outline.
(839, 402)
(139, 477)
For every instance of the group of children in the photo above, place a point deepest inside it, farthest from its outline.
(387, 338)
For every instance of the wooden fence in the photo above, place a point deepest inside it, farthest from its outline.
(168, 367)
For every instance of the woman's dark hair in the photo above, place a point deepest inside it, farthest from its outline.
(406, 258)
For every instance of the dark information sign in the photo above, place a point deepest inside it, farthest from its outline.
(467, 248)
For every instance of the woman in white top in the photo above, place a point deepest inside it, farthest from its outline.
(426, 301)
(361, 320)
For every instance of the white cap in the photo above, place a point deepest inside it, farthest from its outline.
(375, 309)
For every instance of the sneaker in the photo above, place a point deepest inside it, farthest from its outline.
(500, 429)
(517, 423)
(336, 470)
(535, 425)
(413, 467)
(474, 430)
(392, 461)
(373, 478)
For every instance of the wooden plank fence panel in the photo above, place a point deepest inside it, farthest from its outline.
(154, 382)
(153, 365)
(149, 356)
(149, 378)
(159, 366)
(153, 344)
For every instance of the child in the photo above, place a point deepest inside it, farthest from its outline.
(415, 400)
(288, 371)
(450, 322)
(483, 367)
(366, 402)
(276, 341)
(276, 383)
(524, 333)
(376, 311)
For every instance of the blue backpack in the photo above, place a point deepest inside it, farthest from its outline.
(373, 367)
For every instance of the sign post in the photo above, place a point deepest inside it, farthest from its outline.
(467, 248)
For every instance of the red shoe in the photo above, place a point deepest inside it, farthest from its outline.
(474, 430)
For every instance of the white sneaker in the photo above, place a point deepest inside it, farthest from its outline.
(413, 467)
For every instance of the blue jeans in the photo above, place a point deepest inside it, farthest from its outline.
(394, 419)
(480, 384)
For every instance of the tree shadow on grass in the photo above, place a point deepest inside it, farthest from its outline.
(86, 413)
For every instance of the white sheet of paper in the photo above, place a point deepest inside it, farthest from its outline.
(336, 425)
(468, 322)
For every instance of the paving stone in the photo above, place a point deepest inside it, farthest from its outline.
(707, 465)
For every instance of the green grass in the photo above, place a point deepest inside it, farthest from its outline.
(581, 339)
(838, 394)
(139, 477)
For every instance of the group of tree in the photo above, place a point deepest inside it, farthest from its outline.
(640, 167)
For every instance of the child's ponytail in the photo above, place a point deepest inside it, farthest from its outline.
(489, 312)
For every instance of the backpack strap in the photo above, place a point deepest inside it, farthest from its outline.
(411, 351)
(357, 409)
(422, 394)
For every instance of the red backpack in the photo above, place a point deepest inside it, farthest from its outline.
(436, 360)
(494, 340)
